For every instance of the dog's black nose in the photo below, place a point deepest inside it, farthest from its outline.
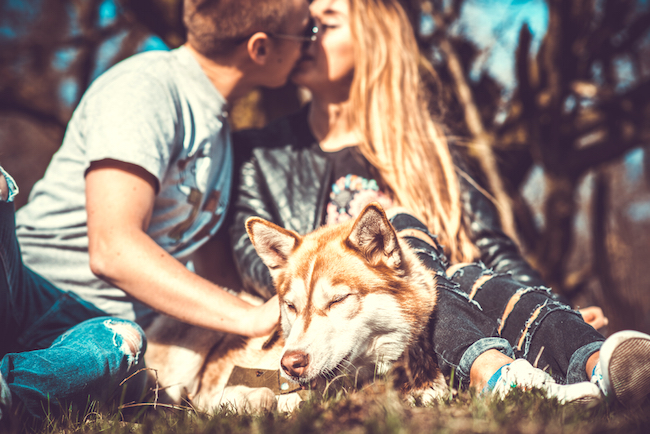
(295, 363)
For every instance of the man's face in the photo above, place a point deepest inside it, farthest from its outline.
(285, 52)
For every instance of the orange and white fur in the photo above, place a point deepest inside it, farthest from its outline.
(355, 300)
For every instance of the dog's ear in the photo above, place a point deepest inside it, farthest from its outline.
(272, 243)
(374, 236)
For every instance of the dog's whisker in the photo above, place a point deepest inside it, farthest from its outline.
(351, 367)
(344, 369)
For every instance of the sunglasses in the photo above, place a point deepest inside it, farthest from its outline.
(309, 34)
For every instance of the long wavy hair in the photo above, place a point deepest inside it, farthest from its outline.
(389, 108)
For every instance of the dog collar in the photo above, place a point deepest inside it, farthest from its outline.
(269, 378)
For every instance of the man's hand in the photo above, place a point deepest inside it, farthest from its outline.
(265, 318)
(119, 201)
(594, 316)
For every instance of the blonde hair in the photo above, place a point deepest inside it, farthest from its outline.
(389, 108)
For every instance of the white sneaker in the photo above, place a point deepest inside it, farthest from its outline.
(522, 375)
(625, 367)
(5, 397)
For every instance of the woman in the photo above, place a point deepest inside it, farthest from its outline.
(367, 135)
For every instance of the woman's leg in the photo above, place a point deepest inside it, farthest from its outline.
(466, 340)
(460, 331)
(540, 329)
(536, 326)
(461, 335)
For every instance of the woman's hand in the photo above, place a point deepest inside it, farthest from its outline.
(594, 316)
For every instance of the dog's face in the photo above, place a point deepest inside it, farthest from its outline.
(350, 299)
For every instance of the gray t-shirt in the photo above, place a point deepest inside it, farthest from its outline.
(159, 111)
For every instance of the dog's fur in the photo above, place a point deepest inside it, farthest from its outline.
(354, 298)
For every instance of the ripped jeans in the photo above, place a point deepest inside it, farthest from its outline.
(479, 310)
(56, 349)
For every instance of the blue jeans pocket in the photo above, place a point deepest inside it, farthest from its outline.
(68, 311)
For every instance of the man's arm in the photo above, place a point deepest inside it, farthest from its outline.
(119, 202)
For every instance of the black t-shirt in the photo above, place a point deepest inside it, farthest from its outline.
(352, 185)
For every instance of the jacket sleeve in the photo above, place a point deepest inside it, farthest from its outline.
(497, 250)
(251, 199)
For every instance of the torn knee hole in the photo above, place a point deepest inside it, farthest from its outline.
(510, 306)
(454, 268)
(131, 337)
(530, 321)
(419, 234)
(479, 282)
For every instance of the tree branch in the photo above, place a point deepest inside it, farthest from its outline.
(619, 310)
(481, 141)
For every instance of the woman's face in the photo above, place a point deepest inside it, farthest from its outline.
(328, 62)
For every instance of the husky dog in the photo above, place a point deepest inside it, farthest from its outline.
(355, 299)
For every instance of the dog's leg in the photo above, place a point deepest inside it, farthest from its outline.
(434, 391)
(176, 353)
(244, 399)
(289, 402)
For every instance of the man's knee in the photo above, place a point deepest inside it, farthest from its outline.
(132, 342)
(4, 188)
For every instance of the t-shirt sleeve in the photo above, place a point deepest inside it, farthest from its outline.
(131, 118)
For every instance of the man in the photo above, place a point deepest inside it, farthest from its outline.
(143, 176)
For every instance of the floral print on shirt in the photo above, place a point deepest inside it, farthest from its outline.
(349, 196)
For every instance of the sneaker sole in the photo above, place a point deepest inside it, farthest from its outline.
(584, 393)
(629, 371)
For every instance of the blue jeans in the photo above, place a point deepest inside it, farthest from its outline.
(479, 310)
(56, 349)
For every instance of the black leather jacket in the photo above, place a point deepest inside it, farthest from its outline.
(285, 182)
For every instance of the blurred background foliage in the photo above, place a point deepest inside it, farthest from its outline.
(549, 100)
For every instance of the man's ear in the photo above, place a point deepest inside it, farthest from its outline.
(258, 48)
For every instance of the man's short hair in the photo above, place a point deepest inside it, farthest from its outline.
(217, 26)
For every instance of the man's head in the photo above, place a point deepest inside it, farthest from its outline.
(215, 27)
(272, 31)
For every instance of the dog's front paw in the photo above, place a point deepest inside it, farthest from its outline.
(434, 391)
(250, 400)
(427, 397)
(292, 401)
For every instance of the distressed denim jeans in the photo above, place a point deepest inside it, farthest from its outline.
(479, 310)
(56, 350)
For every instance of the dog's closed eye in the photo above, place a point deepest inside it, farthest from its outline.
(336, 300)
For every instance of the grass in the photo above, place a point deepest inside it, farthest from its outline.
(374, 409)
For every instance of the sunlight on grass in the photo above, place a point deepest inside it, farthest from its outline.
(376, 408)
